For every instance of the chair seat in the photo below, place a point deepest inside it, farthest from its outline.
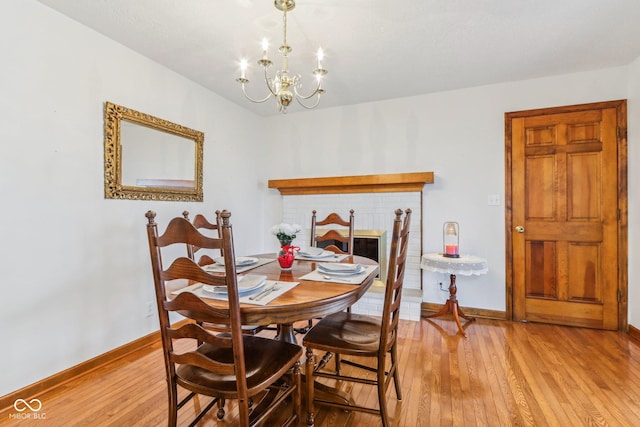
(346, 333)
(264, 358)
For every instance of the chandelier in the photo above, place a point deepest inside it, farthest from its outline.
(283, 86)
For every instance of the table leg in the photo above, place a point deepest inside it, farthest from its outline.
(313, 389)
(286, 333)
(451, 306)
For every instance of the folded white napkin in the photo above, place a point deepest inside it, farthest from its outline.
(219, 268)
(326, 256)
(246, 284)
(240, 261)
(319, 275)
(276, 288)
(340, 268)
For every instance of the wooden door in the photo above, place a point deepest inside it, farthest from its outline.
(566, 176)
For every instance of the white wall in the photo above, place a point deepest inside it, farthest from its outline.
(75, 267)
(459, 135)
(75, 270)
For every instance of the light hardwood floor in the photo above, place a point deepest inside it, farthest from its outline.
(503, 374)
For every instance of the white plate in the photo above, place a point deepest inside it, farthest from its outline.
(241, 261)
(246, 284)
(311, 251)
(340, 269)
(322, 254)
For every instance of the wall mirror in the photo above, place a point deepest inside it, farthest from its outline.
(147, 158)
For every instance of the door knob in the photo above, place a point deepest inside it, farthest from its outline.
(520, 229)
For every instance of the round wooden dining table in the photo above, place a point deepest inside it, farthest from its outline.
(308, 300)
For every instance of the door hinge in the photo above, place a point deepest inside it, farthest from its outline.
(622, 133)
(619, 296)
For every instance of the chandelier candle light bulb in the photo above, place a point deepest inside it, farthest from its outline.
(243, 68)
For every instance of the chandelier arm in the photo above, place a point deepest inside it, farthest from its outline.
(269, 84)
(317, 90)
(309, 107)
(257, 101)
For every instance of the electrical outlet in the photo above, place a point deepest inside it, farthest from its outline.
(149, 309)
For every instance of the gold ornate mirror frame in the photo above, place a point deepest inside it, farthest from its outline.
(159, 146)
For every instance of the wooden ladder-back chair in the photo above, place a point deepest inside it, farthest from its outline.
(348, 334)
(201, 222)
(224, 366)
(333, 234)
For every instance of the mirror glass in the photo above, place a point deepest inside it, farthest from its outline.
(148, 158)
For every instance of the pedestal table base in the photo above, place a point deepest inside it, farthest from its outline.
(451, 306)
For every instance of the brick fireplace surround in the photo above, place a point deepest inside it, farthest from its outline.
(374, 199)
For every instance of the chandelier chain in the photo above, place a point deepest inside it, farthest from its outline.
(284, 23)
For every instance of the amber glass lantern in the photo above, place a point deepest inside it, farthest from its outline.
(450, 240)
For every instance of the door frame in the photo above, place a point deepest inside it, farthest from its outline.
(621, 119)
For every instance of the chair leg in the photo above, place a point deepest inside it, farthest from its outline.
(304, 329)
(297, 396)
(221, 412)
(382, 399)
(337, 356)
(396, 375)
(243, 409)
(173, 406)
(309, 367)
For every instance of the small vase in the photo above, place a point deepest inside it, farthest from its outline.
(286, 257)
(285, 242)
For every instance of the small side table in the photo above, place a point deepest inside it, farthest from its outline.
(466, 265)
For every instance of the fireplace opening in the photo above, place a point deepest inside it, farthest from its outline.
(363, 246)
(371, 244)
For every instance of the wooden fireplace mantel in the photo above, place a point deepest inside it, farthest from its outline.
(396, 182)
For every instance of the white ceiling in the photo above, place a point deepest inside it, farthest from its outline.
(375, 49)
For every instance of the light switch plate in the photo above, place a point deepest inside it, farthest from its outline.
(493, 200)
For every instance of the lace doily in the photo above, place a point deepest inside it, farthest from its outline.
(466, 265)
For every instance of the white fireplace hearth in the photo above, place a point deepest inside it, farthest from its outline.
(374, 200)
